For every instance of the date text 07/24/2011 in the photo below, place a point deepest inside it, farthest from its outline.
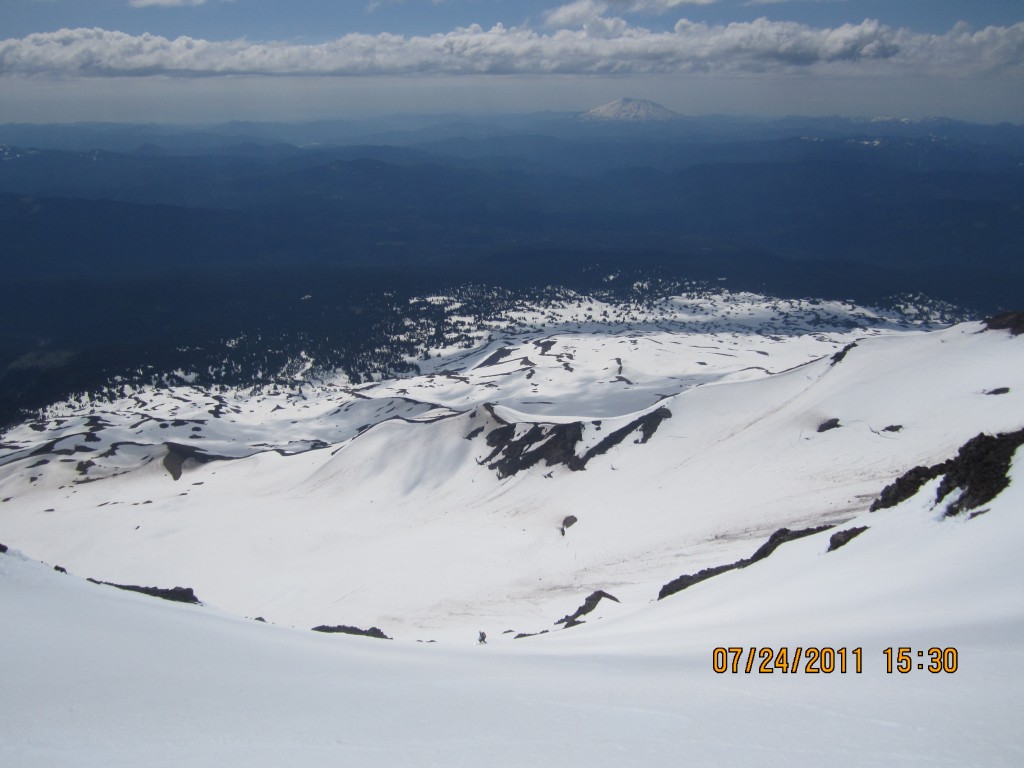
(826, 660)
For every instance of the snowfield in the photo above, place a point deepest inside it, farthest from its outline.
(497, 491)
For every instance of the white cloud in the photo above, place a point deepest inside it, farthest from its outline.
(656, 6)
(603, 46)
(575, 14)
(580, 12)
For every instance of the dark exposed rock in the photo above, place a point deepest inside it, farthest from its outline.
(647, 424)
(220, 407)
(83, 466)
(780, 537)
(998, 391)
(178, 454)
(838, 356)
(499, 437)
(556, 443)
(174, 460)
(496, 357)
(550, 443)
(530, 634)
(680, 583)
(588, 605)
(841, 538)
(96, 423)
(825, 426)
(474, 433)
(776, 540)
(905, 486)
(3, 548)
(112, 449)
(568, 522)
(893, 428)
(1007, 321)
(980, 470)
(50, 447)
(60, 569)
(174, 594)
(346, 630)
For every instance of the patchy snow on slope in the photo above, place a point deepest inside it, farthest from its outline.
(630, 110)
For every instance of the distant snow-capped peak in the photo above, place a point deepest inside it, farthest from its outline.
(631, 110)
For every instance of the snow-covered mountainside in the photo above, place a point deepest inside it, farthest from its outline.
(628, 471)
(630, 110)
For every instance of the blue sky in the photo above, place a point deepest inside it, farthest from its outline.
(193, 60)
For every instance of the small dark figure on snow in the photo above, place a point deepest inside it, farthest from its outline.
(483, 638)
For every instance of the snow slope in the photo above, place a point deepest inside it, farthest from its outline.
(411, 504)
(98, 677)
(497, 491)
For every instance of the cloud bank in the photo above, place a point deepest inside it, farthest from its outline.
(600, 46)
